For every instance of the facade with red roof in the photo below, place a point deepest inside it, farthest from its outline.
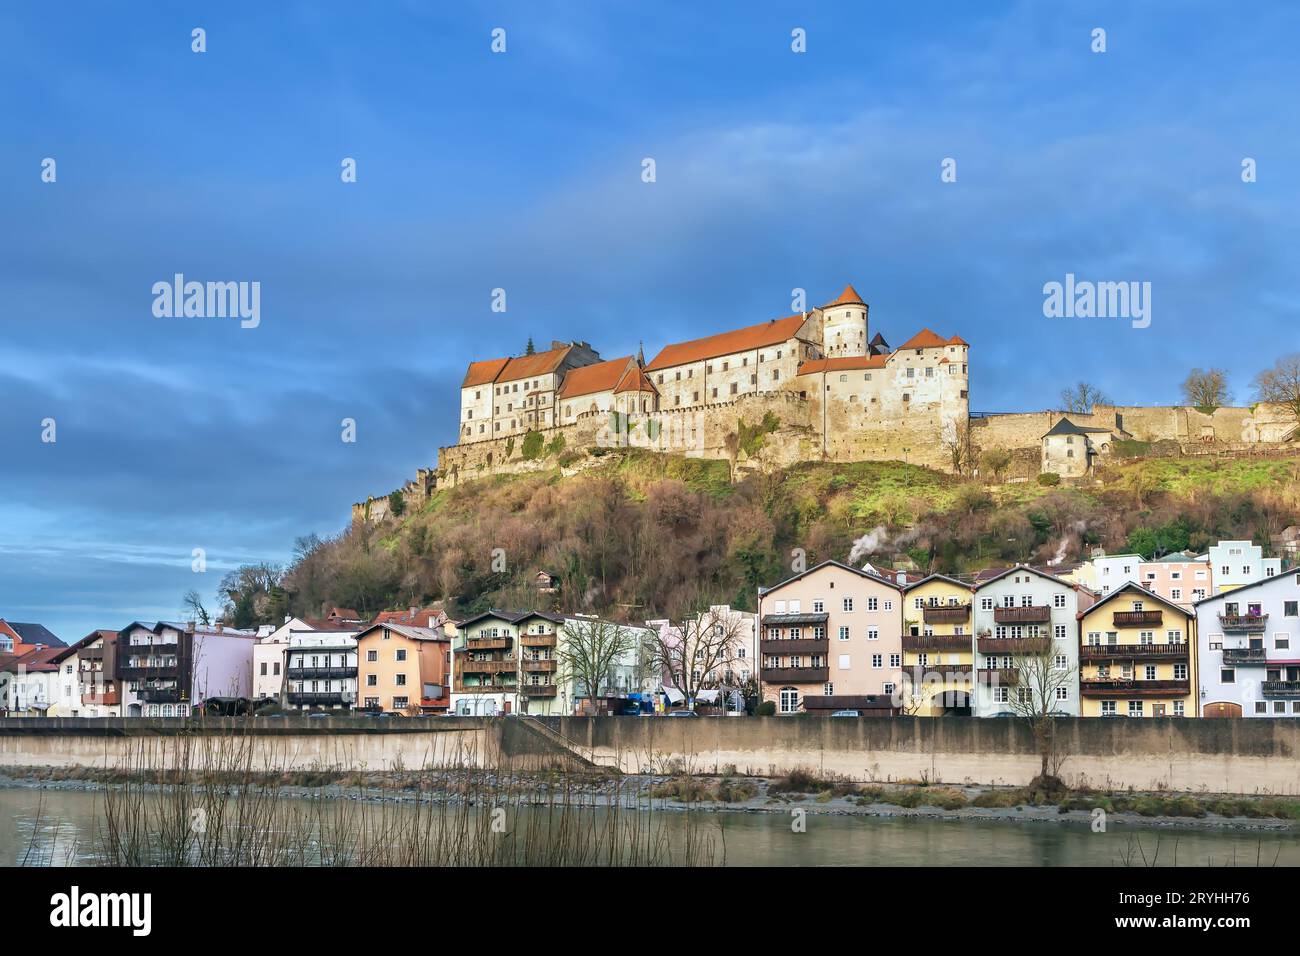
(500, 398)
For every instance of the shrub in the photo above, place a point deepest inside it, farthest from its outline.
(1049, 479)
(532, 446)
(396, 504)
(556, 445)
(766, 709)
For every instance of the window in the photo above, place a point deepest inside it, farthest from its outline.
(399, 680)
(877, 661)
(1180, 672)
(399, 703)
(1178, 709)
(1135, 708)
(844, 633)
(1000, 694)
(400, 655)
(873, 604)
(1289, 608)
(789, 700)
(1060, 632)
(1108, 708)
(986, 604)
(372, 680)
(1058, 600)
(848, 604)
(1062, 693)
(873, 633)
(372, 656)
(819, 607)
(1227, 675)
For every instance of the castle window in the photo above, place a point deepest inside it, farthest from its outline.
(753, 380)
(929, 371)
(844, 378)
(745, 360)
(695, 396)
(776, 374)
(911, 372)
(677, 399)
(963, 393)
(725, 366)
(906, 397)
(734, 388)
(679, 375)
(715, 392)
(867, 377)
(708, 369)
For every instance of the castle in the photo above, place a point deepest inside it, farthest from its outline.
(817, 374)
(814, 386)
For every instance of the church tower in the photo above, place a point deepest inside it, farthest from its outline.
(844, 325)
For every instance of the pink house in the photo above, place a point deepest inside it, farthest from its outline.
(1181, 578)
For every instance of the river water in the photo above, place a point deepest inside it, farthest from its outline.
(57, 828)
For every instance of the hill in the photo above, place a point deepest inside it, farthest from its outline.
(644, 535)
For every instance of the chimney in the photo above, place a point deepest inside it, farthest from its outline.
(189, 627)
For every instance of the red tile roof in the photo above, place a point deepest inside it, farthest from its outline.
(845, 363)
(589, 379)
(772, 332)
(848, 297)
(539, 363)
(481, 373)
(635, 380)
(925, 339)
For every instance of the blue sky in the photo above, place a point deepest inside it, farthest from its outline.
(775, 170)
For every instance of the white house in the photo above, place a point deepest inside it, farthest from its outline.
(1237, 563)
(1249, 646)
(1019, 604)
(1110, 572)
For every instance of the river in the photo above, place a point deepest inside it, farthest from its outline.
(57, 827)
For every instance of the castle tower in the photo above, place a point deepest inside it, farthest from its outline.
(844, 325)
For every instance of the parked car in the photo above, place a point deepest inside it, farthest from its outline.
(682, 713)
(319, 714)
(846, 713)
(1005, 713)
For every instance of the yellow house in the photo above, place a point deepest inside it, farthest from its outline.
(1137, 656)
(938, 647)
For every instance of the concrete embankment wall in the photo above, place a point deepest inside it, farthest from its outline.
(1229, 756)
(1222, 756)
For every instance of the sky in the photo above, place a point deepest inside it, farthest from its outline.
(522, 170)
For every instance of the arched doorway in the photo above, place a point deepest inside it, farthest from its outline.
(1221, 709)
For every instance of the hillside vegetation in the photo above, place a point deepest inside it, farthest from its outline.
(644, 535)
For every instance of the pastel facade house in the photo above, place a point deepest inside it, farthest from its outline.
(1248, 642)
(1180, 577)
(1237, 563)
(1137, 657)
(97, 693)
(1025, 613)
(830, 639)
(505, 661)
(1071, 450)
(938, 646)
(500, 398)
(268, 656)
(29, 683)
(1110, 572)
(403, 669)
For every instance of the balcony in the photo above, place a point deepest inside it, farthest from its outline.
(488, 685)
(318, 698)
(1106, 687)
(1014, 645)
(109, 698)
(809, 645)
(537, 640)
(537, 690)
(147, 673)
(947, 614)
(1281, 688)
(320, 673)
(508, 664)
(1244, 655)
(1249, 623)
(937, 672)
(539, 666)
(1138, 618)
(1023, 615)
(998, 675)
(1124, 652)
(160, 695)
(487, 643)
(924, 643)
(170, 649)
(795, 675)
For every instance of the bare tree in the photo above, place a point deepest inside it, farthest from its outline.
(1280, 385)
(1206, 388)
(193, 604)
(590, 651)
(1038, 670)
(698, 654)
(996, 461)
(1082, 398)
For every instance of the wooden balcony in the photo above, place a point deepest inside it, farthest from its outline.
(937, 672)
(109, 698)
(1023, 615)
(488, 643)
(508, 664)
(1245, 655)
(1014, 645)
(318, 698)
(537, 690)
(539, 667)
(802, 646)
(929, 643)
(537, 640)
(1138, 618)
(946, 614)
(795, 675)
(148, 673)
(1126, 652)
(1280, 688)
(1249, 623)
(320, 673)
(160, 695)
(998, 675)
(1107, 687)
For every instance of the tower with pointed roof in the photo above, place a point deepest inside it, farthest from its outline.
(844, 326)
